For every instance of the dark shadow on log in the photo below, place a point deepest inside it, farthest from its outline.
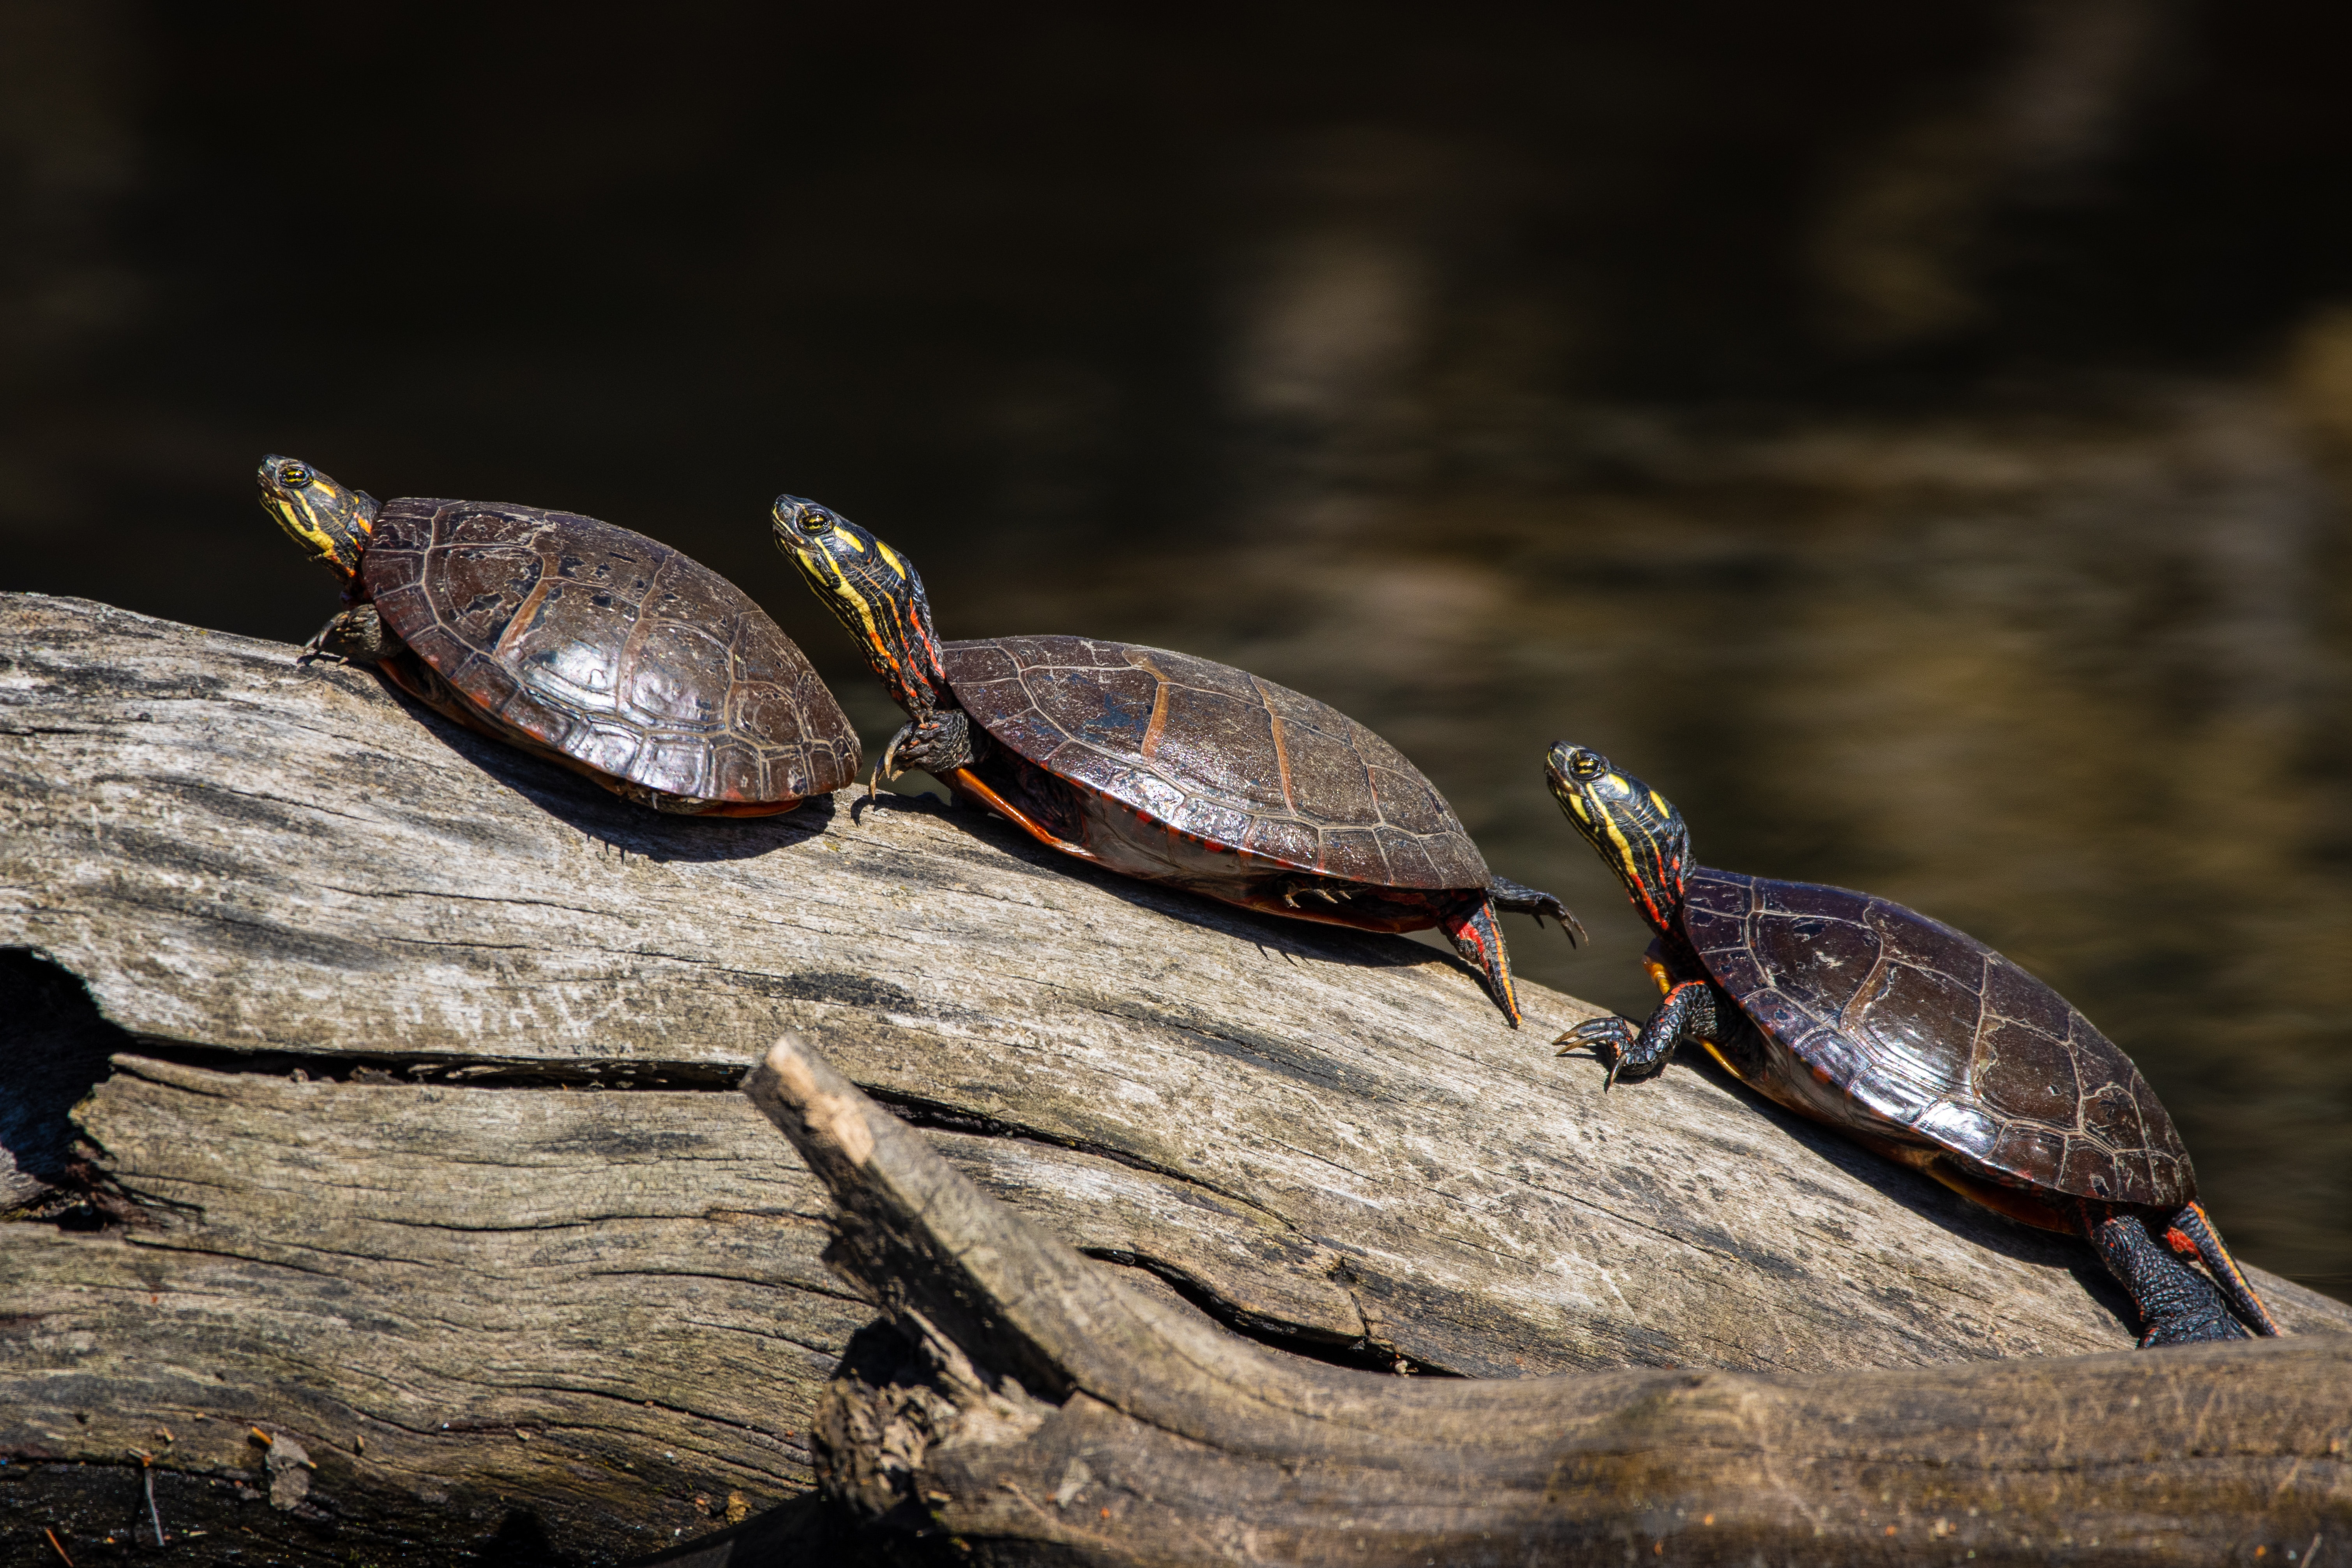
(1023, 1407)
(596, 812)
(1271, 933)
(57, 1045)
(1928, 1199)
(807, 1531)
(603, 816)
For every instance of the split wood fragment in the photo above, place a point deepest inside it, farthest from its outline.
(1031, 1407)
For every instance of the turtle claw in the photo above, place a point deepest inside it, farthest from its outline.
(1521, 898)
(315, 648)
(1613, 1033)
(885, 766)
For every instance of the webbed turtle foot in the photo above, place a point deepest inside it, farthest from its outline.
(2207, 1321)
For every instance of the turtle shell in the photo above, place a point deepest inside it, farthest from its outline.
(1928, 1035)
(1217, 753)
(608, 647)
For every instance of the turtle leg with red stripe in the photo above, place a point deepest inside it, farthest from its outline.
(1687, 1013)
(1470, 927)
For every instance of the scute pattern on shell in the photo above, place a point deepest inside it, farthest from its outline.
(609, 647)
(1927, 1030)
(1217, 753)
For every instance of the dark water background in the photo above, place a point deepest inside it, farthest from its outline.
(1917, 439)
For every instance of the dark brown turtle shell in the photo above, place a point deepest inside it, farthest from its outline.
(609, 649)
(1218, 753)
(1927, 1036)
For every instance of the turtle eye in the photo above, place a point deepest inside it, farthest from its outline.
(815, 522)
(1588, 765)
(294, 476)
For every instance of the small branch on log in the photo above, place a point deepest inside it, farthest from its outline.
(1034, 1410)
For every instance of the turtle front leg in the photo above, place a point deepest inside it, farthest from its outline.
(1687, 1013)
(944, 744)
(355, 636)
(939, 743)
(1518, 898)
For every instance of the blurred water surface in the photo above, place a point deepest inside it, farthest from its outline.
(1914, 443)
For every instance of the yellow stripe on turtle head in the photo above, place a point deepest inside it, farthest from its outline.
(329, 520)
(874, 594)
(1631, 826)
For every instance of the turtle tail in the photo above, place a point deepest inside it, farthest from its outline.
(1470, 926)
(2191, 1233)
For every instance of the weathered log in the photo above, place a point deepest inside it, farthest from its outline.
(1029, 1408)
(349, 998)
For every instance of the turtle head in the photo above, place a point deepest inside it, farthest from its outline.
(1640, 836)
(329, 522)
(874, 592)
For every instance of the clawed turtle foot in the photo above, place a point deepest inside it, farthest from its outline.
(1612, 1038)
(317, 648)
(355, 636)
(938, 743)
(1518, 897)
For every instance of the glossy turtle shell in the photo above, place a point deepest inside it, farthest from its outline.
(1916, 1032)
(608, 648)
(1215, 752)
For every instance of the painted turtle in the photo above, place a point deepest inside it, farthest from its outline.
(593, 646)
(1917, 1042)
(1166, 767)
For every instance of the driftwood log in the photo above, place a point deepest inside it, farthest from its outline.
(1029, 1408)
(357, 1090)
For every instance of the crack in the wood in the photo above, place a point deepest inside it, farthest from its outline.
(208, 786)
(753, 1430)
(918, 1111)
(803, 1286)
(456, 897)
(182, 1242)
(222, 914)
(424, 1070)
(1365, 1352)
(828, 1351)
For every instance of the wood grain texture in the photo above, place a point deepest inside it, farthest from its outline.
(1023, 1408)
(1320, 1136)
